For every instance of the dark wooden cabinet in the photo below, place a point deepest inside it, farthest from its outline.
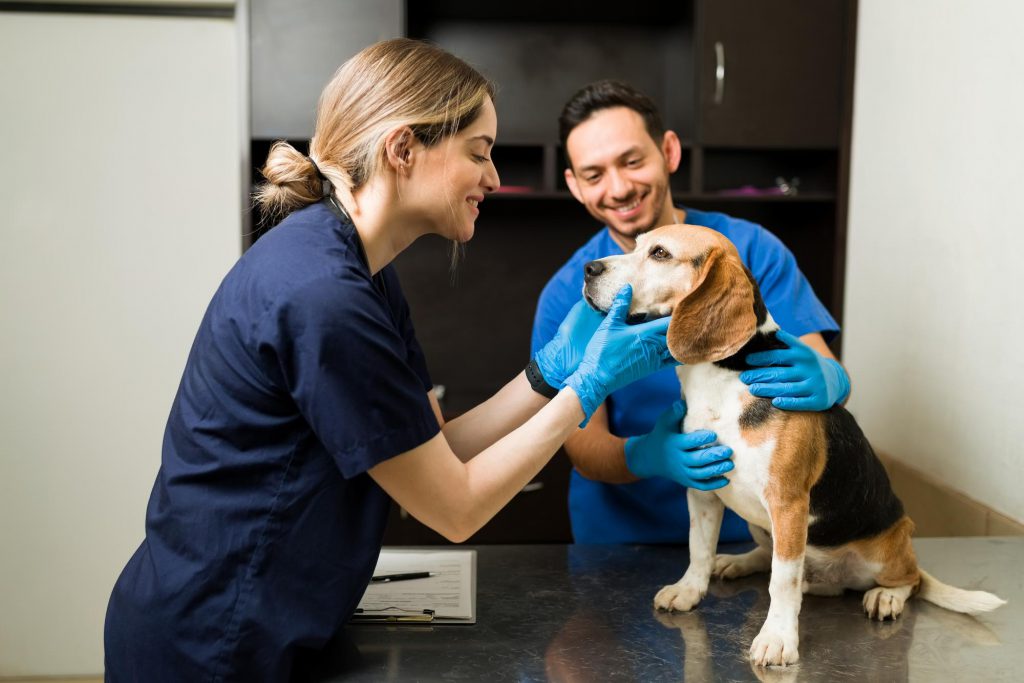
(780, 116)
(770, 73)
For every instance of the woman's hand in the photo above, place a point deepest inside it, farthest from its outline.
(560, 357)
(619, 354)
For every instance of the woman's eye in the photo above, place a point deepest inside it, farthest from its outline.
(660, 254)
(480, 158)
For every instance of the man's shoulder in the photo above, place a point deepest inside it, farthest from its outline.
(571, 272)
(758, 247)
(740, 231)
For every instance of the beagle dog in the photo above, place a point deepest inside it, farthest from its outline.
(817, 499)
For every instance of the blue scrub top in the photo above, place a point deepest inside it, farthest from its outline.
(263, 527)
(654, 510)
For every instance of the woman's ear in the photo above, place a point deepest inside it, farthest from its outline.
(398, 146)
(717, 317)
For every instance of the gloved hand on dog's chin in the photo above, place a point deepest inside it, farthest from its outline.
(689, 459)
(619, 354)
(796, 378)
(560, 357)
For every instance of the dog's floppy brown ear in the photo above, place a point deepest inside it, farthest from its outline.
(717, 318)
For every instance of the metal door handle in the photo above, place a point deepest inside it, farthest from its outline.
(719, 72)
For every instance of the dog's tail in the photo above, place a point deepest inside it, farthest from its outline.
(957, 599)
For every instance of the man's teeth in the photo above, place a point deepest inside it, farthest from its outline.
(626, 209)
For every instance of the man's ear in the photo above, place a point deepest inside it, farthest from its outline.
(672, 150)
(399, 148)
(717, 317)
(574, 187)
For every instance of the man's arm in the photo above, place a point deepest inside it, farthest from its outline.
(817, 342)
(598, 454)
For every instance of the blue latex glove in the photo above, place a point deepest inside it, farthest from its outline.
(796, 378)
(689, 459)
(619, 354)
(560, 357)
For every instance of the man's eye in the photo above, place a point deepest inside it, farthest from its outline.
(634, 162)
(660, 254)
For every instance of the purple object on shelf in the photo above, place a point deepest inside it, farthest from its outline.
(751, 191)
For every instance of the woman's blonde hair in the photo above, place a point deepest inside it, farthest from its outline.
(390, 84)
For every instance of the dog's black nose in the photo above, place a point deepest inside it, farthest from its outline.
(593, 269)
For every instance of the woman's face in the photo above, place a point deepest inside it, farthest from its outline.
(456, 176)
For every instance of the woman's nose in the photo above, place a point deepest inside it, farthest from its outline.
(491, 180)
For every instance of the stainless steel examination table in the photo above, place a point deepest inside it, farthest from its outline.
(584, 613)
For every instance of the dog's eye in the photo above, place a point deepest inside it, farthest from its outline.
(659, 254)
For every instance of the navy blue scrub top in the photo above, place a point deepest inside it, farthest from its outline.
(263, 527)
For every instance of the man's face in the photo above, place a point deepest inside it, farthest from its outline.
(620, 174)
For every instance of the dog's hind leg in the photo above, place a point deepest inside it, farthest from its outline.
(757, 560)
(884, 602)
(705, 522)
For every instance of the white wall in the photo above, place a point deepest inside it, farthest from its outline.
(936, 238)
(120, 186)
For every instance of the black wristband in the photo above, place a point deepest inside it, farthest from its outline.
(537, 381)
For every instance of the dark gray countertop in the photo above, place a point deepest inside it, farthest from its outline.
(584, 613)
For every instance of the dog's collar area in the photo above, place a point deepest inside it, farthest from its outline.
(761, 341)
(637, 318)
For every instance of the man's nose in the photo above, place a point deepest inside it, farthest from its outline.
(619, 186)
(592, 269)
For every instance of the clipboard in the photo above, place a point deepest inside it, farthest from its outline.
(447, 597)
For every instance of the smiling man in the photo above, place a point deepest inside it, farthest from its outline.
(631, 462)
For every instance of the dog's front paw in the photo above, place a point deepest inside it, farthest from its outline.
(679, 597)
(774, 647)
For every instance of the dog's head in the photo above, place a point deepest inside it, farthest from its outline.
(691, 273)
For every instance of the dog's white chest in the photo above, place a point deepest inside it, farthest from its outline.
(714, 401)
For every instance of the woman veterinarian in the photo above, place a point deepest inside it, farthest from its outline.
(306, 402)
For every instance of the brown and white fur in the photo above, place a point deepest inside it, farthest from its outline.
(817, 500)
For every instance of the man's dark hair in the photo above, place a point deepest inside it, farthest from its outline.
(605, 95)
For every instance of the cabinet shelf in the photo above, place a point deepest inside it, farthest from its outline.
(681, 197)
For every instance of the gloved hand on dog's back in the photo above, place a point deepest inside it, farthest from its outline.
(619, 354)
(796, 378)
(560, 357)
(694, 460)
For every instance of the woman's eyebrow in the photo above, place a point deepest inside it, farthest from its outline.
(486, 138)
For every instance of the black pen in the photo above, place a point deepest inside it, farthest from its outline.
(386, 578)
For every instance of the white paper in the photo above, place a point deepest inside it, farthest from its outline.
(451, 594)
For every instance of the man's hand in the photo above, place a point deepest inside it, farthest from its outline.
(692, 460)
(796, 378)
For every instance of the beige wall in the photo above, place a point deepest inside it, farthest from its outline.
(936, 237)
(120, 190)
